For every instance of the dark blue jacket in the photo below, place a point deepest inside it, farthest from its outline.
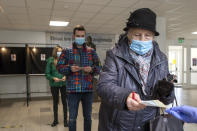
(118, 79)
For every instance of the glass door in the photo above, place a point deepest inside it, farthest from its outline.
(193, 67)
(175, 59)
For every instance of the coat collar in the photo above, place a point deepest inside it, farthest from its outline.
(122, 51)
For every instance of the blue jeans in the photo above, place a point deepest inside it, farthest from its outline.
(73, 105)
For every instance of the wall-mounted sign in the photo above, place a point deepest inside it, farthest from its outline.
(13, 57)
(181, 40)
(194, 61)
(43, 57)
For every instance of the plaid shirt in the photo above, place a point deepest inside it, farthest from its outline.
(79, 81)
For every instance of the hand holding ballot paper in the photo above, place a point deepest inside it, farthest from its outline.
(136, 101)
(133, 102)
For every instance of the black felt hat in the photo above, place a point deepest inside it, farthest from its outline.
(143, 18)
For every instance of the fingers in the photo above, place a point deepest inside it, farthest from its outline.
(137, 98)
(87, 69)
(168, 111)
(134, 104)
(177, 109)
(176, 114)
(75, 68)
(56, 79)
(180, 115)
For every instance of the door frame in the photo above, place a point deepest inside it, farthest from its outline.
(189, 67)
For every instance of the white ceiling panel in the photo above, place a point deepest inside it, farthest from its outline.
(96, 22)
(13, 3)
(93, 25)
(38, 12)
(119, 19)
(74, 23)
(187, 9)
(83, 15)
(122, 3)
(146, 4)
(96, 2)
(106, 30)
(15, 10)
(84, 20)
(62, 13)
(65, 6)
(60, 18)
(39, 20)
(43, 4)
(100, 16)
(112, 10)
(18, 19)
(90, 28)
(114, 25)
(166, 7)
(71, 1)
(89, 8)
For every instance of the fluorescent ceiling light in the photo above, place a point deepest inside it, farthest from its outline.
(194, 33)
(58, 23)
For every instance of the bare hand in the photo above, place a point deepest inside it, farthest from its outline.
(64, 78)
(75, 68)
(56, 79)
(87, 69)
(134, 104)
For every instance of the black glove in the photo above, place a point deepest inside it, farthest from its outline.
(164, 88)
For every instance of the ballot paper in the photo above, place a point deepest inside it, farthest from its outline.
(155, 103)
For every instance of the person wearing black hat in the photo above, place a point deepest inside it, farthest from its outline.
(131, 73)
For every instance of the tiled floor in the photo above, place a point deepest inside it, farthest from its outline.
(37, 117)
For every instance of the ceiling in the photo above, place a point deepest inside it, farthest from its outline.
(98, 16)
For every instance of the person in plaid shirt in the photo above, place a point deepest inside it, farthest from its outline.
(79, 63)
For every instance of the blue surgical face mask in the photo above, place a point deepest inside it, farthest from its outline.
(79, 40)
(141, 47)
(58, 54)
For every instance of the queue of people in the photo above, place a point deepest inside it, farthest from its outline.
(133, 67)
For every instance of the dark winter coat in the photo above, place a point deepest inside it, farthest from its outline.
(118, 79)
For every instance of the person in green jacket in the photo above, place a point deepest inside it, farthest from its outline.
(57, 82)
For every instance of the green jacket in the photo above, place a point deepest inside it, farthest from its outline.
(51, 72)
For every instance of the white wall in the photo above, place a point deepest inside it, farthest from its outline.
(22, 37)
